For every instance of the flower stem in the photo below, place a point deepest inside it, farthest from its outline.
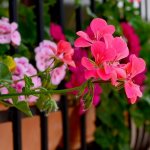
(63, 91)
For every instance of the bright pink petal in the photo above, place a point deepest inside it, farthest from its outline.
(91, 73)
(108, 38)
(98, 49)
(81, 42)
(109, 55)
(137, 65)
(132, 91)
(84, 35)
(64, 47)
(97, 24)
(87, 63)
(102, 74)
(121, 48)
(109, 29)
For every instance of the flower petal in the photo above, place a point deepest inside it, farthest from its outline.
(97, 24)
(132, 91)
(81, 42)
(121, 48)
(137, 65)
(87, 63)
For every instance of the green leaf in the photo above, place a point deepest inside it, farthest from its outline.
(24, 107)
(5, 74)
(28, 83)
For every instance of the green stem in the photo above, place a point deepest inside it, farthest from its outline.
(63, 91)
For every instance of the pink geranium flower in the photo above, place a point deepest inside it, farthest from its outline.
(56, 32)
(58, 74)
(23, 67)
(102, 56)
(99, 28)
(44, 55)
(48, 51)
(9, 33)
(133, 68)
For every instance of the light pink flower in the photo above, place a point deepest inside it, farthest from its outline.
(56, 32)
(44, 54)
(99, 27)
(23, 67)
(133, 68)
(58, 74)
(9, 33)
(47, 51)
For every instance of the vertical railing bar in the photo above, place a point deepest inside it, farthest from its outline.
(140, 9)
(39, 19)
(92, 5)
(60, 5)
(83, 117)
(15, 114)
(40, 36)
(12, 18)
(146, 10)
(64, 109)
(64, 103)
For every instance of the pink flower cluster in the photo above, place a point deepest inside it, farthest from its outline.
(9, 33)
(107, 52)
(48, 53)
(23, 67)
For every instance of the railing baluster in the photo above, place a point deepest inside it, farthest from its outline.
(83, 117)
(12, 18)
(40, 37)
(16, 115)
(146, 10)
(92, 5)
(16, 122)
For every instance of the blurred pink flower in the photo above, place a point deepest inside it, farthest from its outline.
(135, 1)
(56, 32)
(132, 38)
(9, 33)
